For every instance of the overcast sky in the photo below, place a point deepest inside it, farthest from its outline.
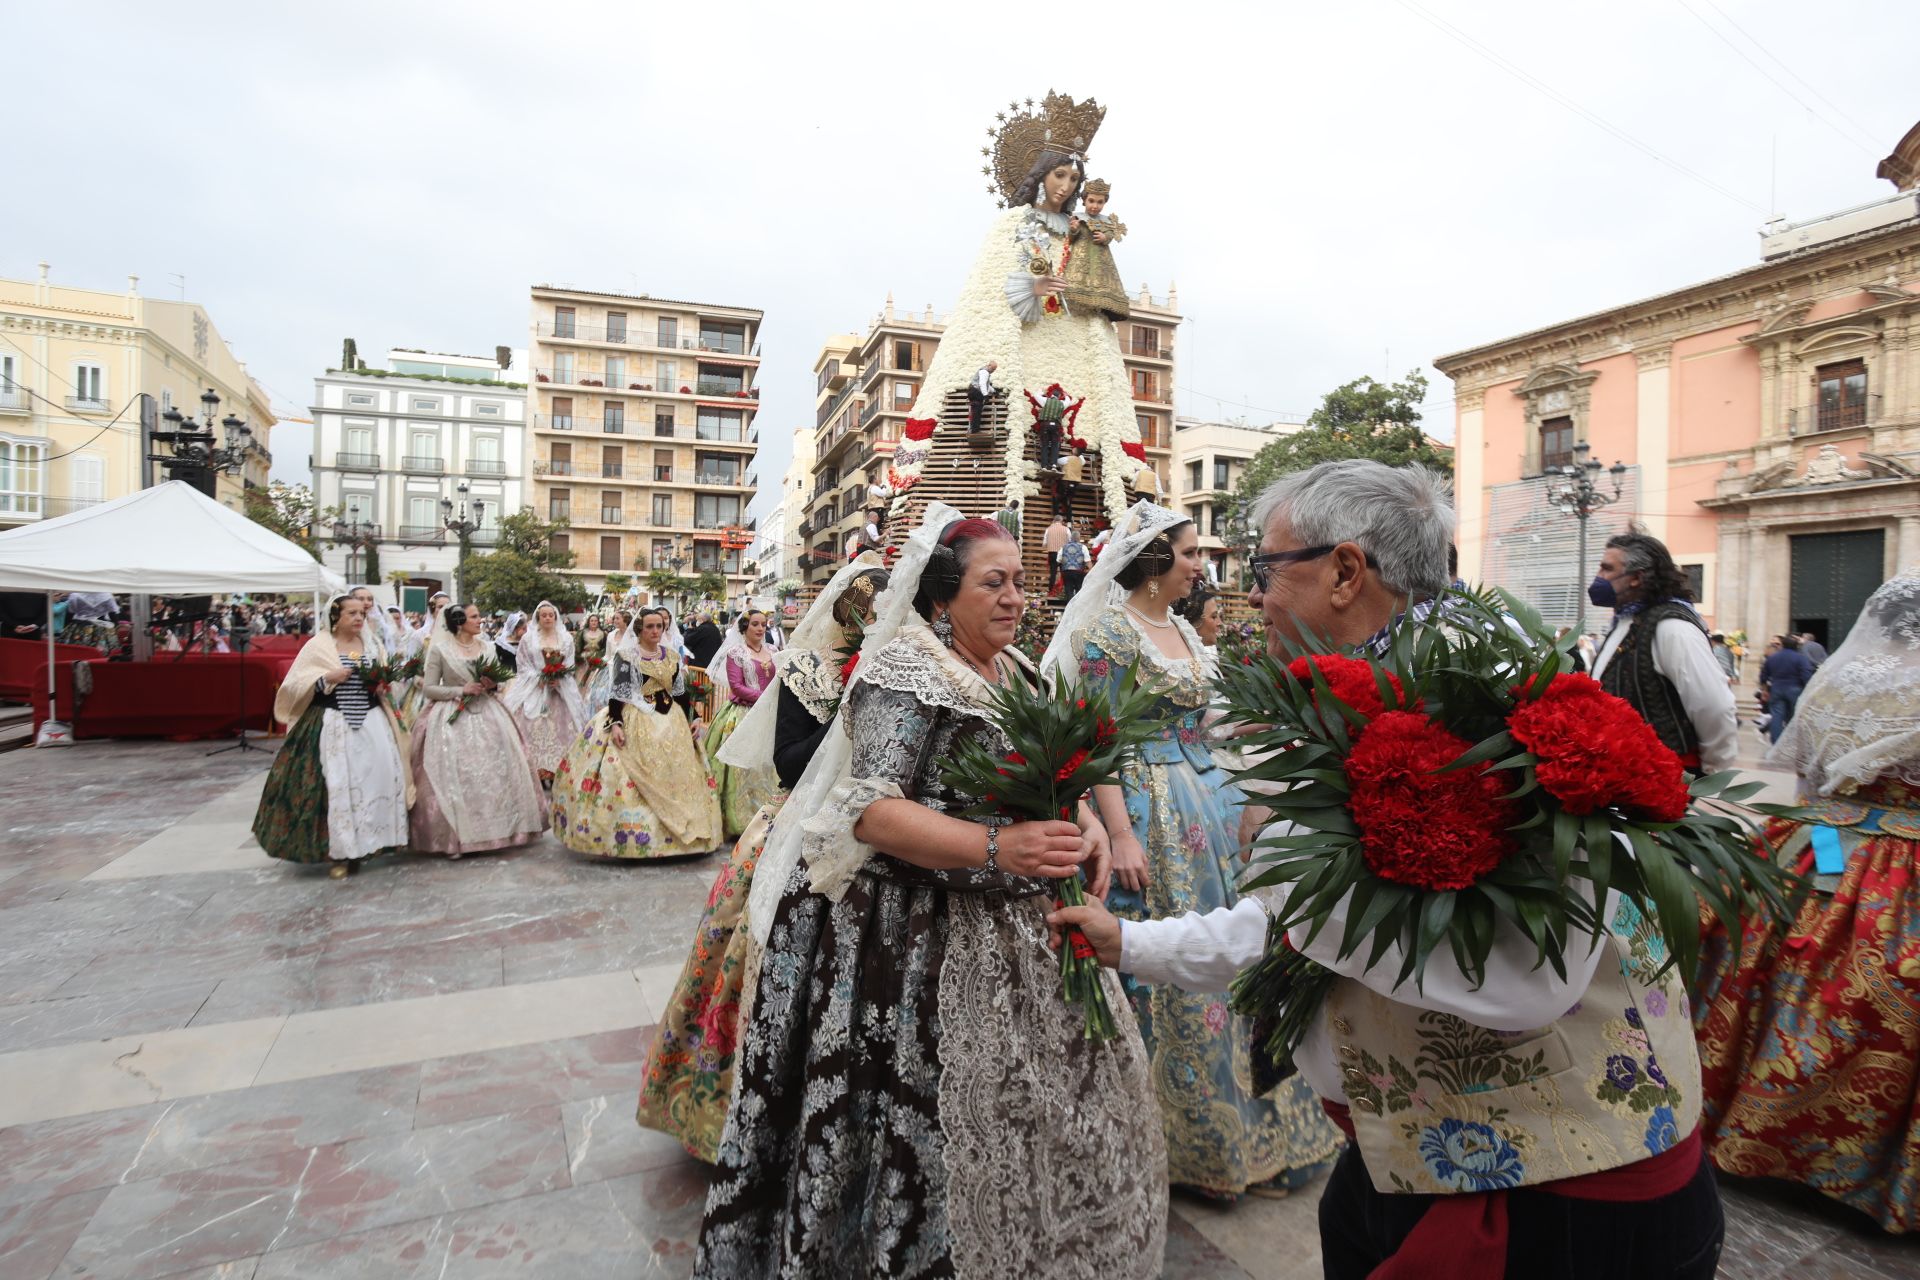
(1337, 190)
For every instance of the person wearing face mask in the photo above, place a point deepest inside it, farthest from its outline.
(1657, 656)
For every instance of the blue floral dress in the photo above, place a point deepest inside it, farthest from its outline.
(1221, 1137)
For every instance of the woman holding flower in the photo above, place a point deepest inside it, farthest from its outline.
(476, 790)
(634, 785)
(590, 669)
(689, 1073)
(742, 673)
(915, 1096)
(337, 791)
(1174, 819)
(545, 695)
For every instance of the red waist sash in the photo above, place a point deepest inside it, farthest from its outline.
(1464, 1237)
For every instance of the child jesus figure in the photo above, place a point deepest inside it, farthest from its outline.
(1093, 281)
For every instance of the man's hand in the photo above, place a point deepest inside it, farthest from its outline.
(1094, 920)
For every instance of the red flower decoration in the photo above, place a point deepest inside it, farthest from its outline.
(1134, 449)
(919, 428)
(1351, 680)
(1596, 752)
(1053, 307)
(718, 1023)
(846, 668)
(1103, 730)
(1418, 827)
(1074, 761)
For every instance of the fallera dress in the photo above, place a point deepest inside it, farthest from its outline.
(337, 790)
(689, 1071)
(550, 712)
(652, 798)
(475, 790)
(742, 791)
(915, 1097)
(1222, 1137)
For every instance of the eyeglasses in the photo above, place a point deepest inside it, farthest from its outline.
(1267, 561)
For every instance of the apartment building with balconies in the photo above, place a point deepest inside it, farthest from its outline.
(643, 434)
(1207, 461)
(391, 445)
(863, 400)
(85, 374)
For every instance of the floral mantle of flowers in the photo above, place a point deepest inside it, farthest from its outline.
(1463, 779)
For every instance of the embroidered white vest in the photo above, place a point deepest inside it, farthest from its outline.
(1441, 1106)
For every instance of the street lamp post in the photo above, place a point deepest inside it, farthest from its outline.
(462, 525)
(198, 454)
(358, 535)
(1572, 490)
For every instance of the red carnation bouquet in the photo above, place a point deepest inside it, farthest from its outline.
(488, 671)
(1062, 745)
(554, 667)
(1466, 777)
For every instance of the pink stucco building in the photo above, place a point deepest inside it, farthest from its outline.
(1768, 420)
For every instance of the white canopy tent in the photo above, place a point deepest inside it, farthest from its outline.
(168, 540)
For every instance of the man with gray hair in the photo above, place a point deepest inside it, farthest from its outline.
(1350, 550)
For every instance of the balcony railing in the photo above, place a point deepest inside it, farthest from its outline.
(554, 421)
(357, 461)
(558, 467)
(719, 387)
(486, 467)
(422, 533)
(610, 470)
(1152, 395)
(420, 462)
(868, 414)
(484, 537)
(560, 512)
(715, 522)
(613, 426)
(14, 399)
(609, 515)
(1150, 350)
(647, 339)
(88, 404)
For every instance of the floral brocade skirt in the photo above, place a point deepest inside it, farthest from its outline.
(742, 791)
(689, 1071)
(1222, 1136)
(474, 790)
(1810, 1037)
(334, 793)
(598, 809)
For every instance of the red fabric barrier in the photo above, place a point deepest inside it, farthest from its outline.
(196, 695)
(23, 666)
(277, 644)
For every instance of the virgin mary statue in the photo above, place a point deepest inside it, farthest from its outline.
(1013, 310)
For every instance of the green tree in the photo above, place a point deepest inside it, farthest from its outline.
(1364, 418)
(618, 584)
(523, 569)
(665, 584)
(290, 511)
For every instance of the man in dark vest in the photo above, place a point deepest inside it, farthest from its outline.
(1657, 655)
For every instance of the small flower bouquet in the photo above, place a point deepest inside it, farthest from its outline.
(388, 672)
(489, 671)
(1063, 745)
(1466, 778)
(554, 667)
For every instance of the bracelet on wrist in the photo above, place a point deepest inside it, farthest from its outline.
(993, 846)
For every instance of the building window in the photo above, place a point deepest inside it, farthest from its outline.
(610, 551)
(611, 456)
(728, 338)
(563, 366)
(423, 516)
(560, 460)
(360, 446)
(563, 413)
(1142, 384)
(560, 505)
(90, 385)
(613, 417)
(1149, 427)
(1843, 394)
(425, 406)
(610, 507)
(616, 371)
(559, 546)
(359, 399)
(663, 376)
(1696, 575)
(663, 510)
(487, 449)
(1220, 473)
(1146, 340)
(717, 468)
(663, 420)
(616, 326)
(903, 393)
(1556, 443)
(486, 409)
(89, 479)
(22, 477)
(663, 466)
(1194, 470)
(713, 511)
(357, 507)
(563, 322)
(903, 356)
(718, 424)
(669, 334)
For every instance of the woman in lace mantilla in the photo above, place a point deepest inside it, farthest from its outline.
(475, 789)
(915, 1096)
(634, 785)
(550, 713)
(1175, 818)
(1810, 1033)
(689, 1070)
(742, 672)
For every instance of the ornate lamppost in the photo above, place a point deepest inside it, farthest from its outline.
(462, 525)
(198, 453)
(363, 537)
(1573, 491)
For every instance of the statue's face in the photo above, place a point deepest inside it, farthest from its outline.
(1059, 184)
(1095, 204)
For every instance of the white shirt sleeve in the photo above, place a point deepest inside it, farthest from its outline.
(1197, 952)
(1684, 655)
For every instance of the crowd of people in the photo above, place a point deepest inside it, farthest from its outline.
(869, 1040)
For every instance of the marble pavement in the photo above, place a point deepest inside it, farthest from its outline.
(213, 1065)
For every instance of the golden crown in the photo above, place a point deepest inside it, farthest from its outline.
(1061, 124)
